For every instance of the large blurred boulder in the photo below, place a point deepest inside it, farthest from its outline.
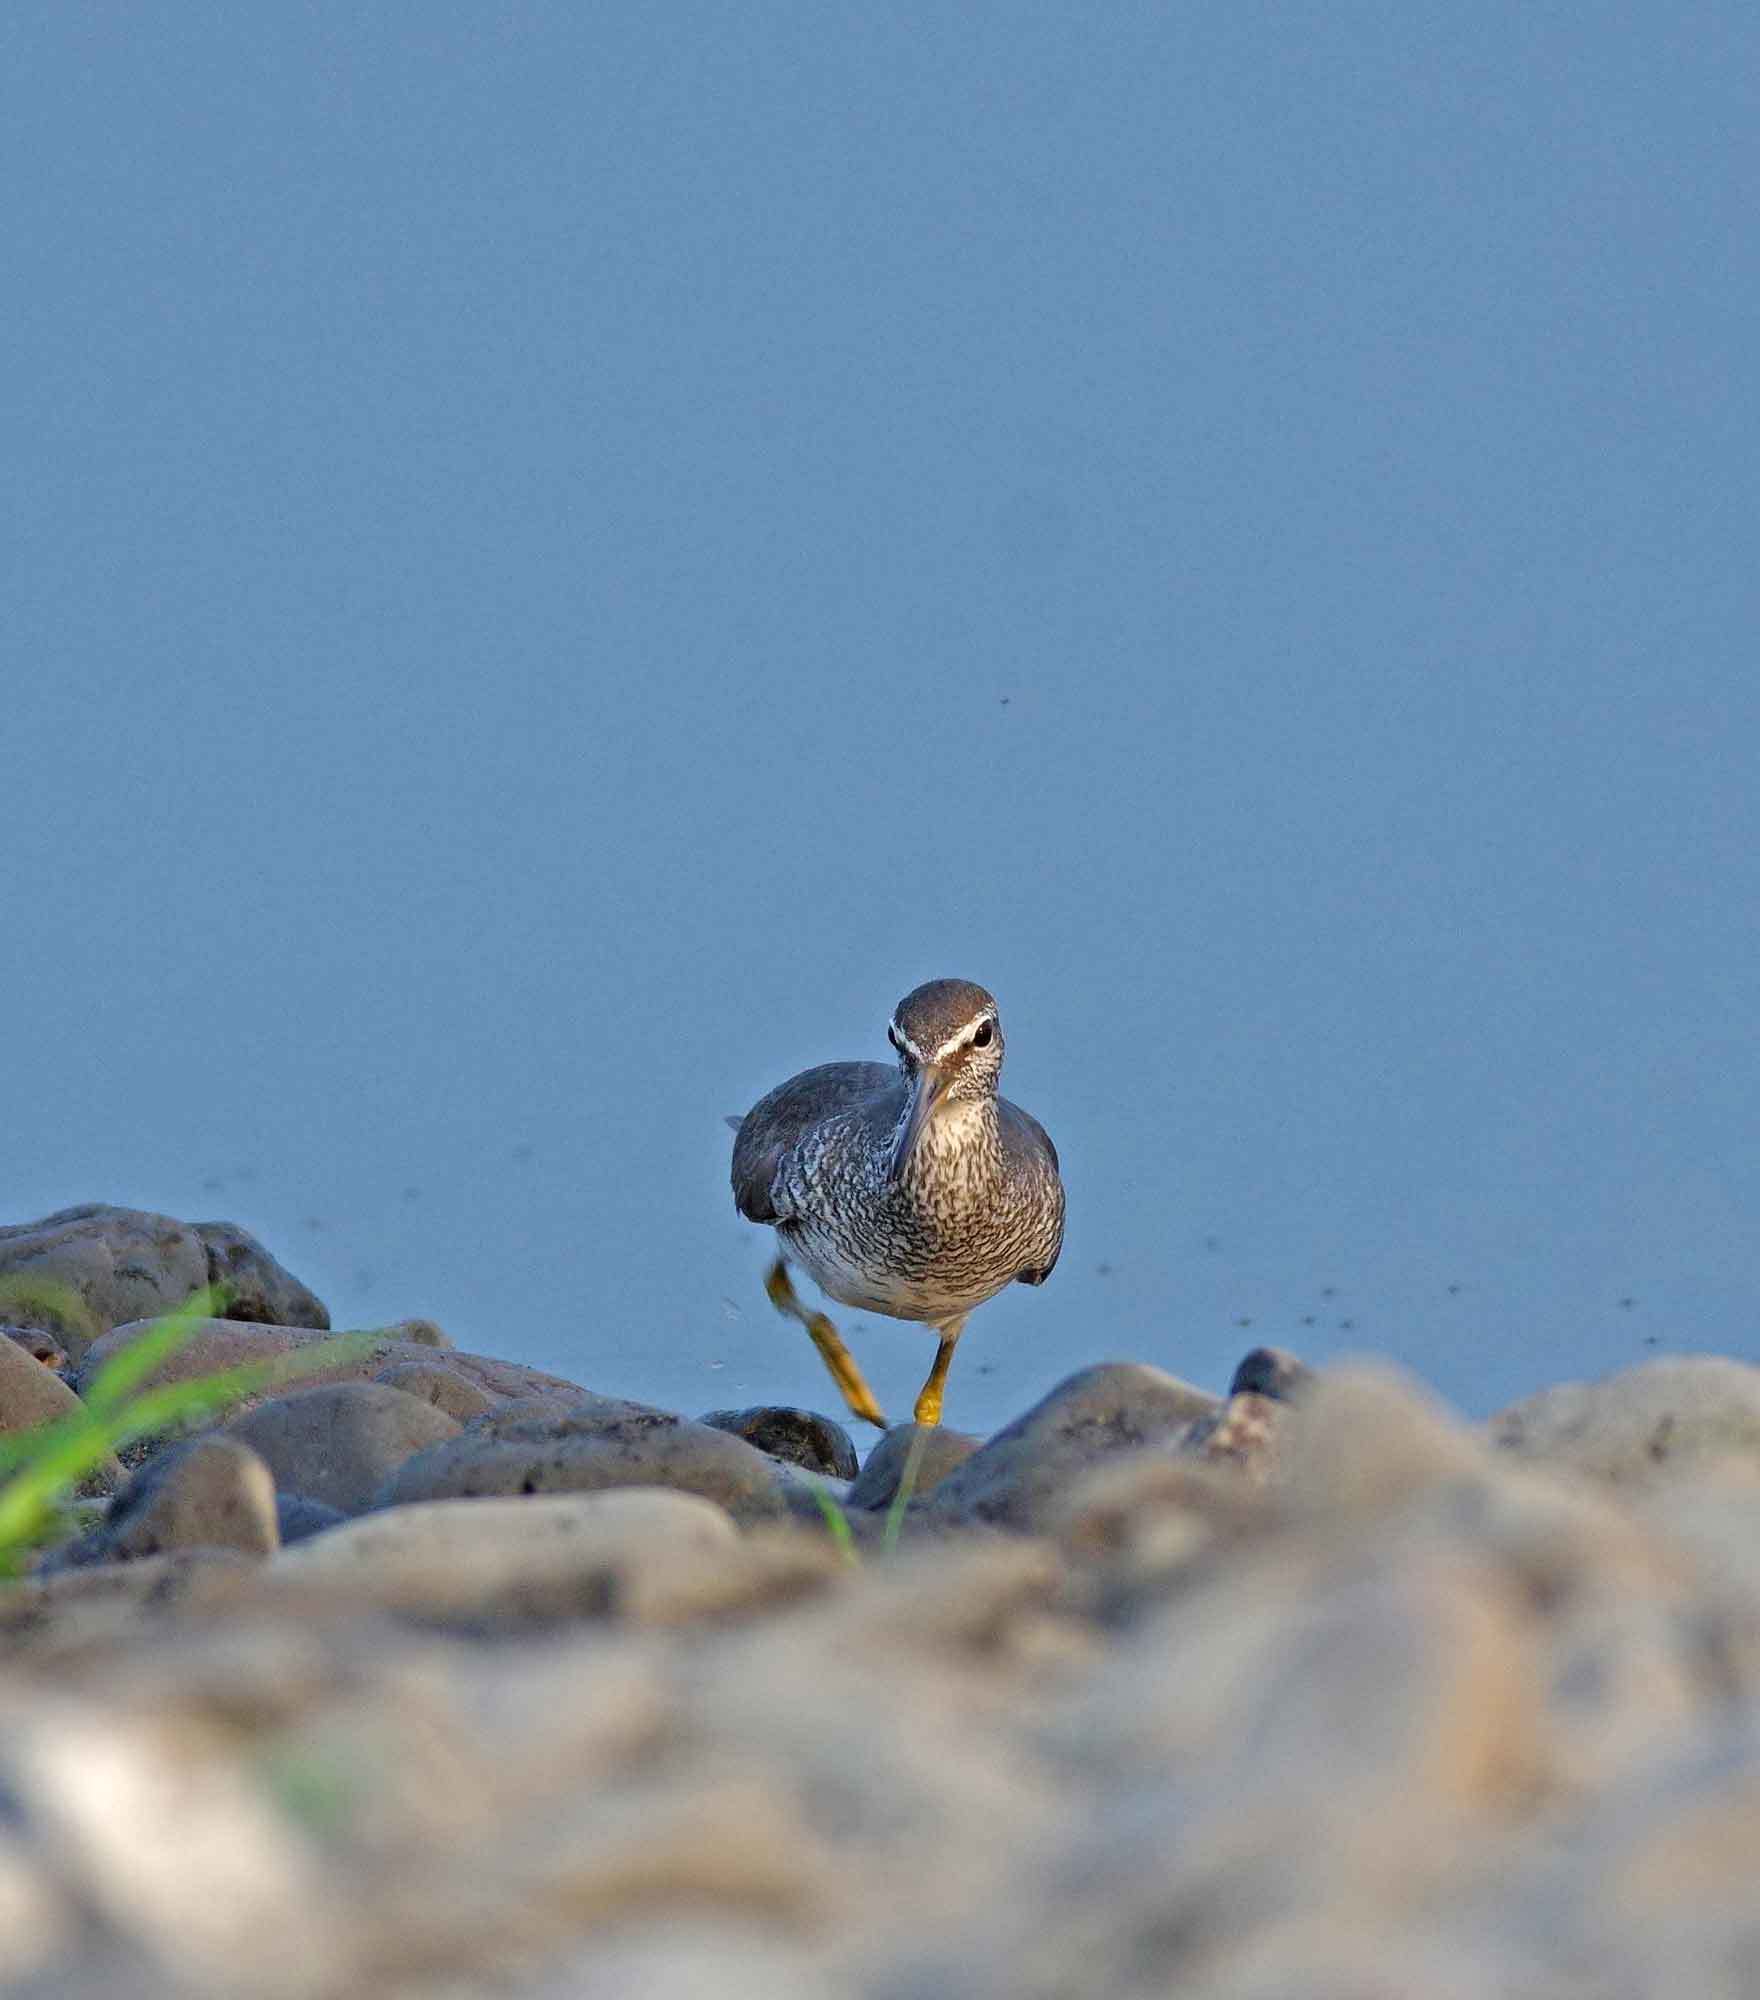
(1642, 1424)
(639, 1555)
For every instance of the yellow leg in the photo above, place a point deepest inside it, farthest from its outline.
(826, 1339)
(928, 1410)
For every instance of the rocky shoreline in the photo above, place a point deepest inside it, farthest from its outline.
(434, 1675)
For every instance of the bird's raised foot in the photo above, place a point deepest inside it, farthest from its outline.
(825, 1337)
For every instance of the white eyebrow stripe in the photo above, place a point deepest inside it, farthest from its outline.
(963, 1039)
(899, 1036)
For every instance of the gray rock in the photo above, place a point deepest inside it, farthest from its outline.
(1271, 1371)
(1624, 1682)
(514, 1410)
(213, 1345)
(1368, 1438)
(420, 1333)
(212, 1492)
(969, 1598)
(224, 1343)
(587, 1451)
(1246, 1432)
(258, 1288)
(39, 1343)
(82, 1271)
(183, 1853)
(691, 1954)
(72, 1610)
(1014, 1481)
(298, 1518)
(444, 1387)
(1643, 1423)
(37, 1926)
(892, 1707)
(1665, 1855)
(730, 1843)
(1297, 1678)
(639, 1555)
(801, 1437)
(1139, 1520)
(1713, 1521)
(939, 1451)
(339, 1442)
(31, 1394)
(491, 1533)
(516, 1417)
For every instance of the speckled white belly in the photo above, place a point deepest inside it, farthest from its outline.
(824, 1258)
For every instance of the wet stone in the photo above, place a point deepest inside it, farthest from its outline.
(338, 1443)
(84, 1270)
(938, 1451)
(32, 1394)
(257, 1287)
(433, 1382)
(582, 1411)
(298, 1518)
(1245, 1432)
(587, 1452)
(634, 1555)
(1016, 1479)
(801, 1437)
(215, 1344)
(39, 1343)
(114, 1603)
(1642, 1424)
(212, 1492)
(1368, 1439)
(1271, 1371)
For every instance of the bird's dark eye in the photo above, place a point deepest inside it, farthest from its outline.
(982, 1039)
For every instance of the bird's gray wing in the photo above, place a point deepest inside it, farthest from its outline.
(1023, 1135)
(776, 1122)
(1028, 1143)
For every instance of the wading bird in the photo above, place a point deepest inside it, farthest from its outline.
(913, 1191)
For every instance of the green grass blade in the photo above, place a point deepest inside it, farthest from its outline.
(22, 1447)
(161, 1407)
(907, 1486)
(134, 1363)
(837, 1524)
(29, 1301)
(27, 1502)
(50, 1460)
(80, 1439)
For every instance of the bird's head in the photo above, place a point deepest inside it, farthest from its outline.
(949, 1043)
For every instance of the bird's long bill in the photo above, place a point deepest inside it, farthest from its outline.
(926, 1088)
